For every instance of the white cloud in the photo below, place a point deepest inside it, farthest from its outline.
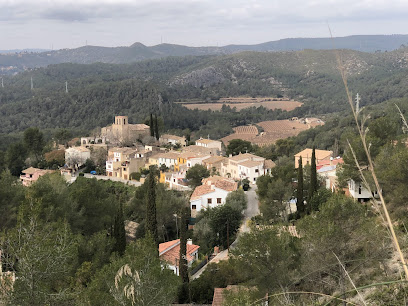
(192, 22)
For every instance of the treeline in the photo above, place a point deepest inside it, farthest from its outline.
(66, 242)
(99, 91)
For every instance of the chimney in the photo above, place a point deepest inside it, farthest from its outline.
(230, 155)
(189, 241)
(216, 250)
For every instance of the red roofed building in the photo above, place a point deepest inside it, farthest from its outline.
(211, 194)
(169, 252)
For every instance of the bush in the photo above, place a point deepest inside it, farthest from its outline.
(135, 176)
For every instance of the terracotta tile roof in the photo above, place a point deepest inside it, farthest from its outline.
(218, 298)
(199, 149)
(188, 155)
(170, 251)
(244, 156)
(201, 190)
(320, 154)
(206, 141)
(33, 170)
(30, 170)
(226, 185)
(213, 159)
(174, 137)
(212, 179)
(327, 162)
(138, 127)
(169, 155)
(250, 163)
(269, 164)
(81, 149)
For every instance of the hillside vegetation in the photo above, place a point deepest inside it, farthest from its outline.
(99, 91)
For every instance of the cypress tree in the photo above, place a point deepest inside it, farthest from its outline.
(156, 128)
(151, 125)
(300, 206)
(184, 289)
(119, 232)
(183, 246)
(313, 178)
(151, 220)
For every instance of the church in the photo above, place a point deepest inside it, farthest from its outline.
(121, 131)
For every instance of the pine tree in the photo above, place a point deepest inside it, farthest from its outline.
(299, 203)
(151, 126)
(151, 220)
(313, 178)
(156, 128)
(119, 232)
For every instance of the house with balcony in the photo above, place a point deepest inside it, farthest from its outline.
(246, 166)
(31, 175)
(122, 162)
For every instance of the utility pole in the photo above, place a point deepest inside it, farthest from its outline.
(357, 103)
(32, 86)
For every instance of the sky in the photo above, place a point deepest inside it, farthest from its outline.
(57, 24)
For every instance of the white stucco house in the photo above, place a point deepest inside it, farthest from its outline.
(75, 157)
(169, 159)
(169, 252)
(211, 194)
(360, 193)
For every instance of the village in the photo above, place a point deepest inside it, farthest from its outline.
(127, 160)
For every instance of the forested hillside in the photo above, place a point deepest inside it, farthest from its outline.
(99, 91)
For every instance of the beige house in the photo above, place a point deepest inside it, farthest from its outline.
(173, 139)
(201, 150)
(306, 154)
(246, 165)
(75, 157)
(122, 162)
(209, 143)
(214, 162)
(121, 131)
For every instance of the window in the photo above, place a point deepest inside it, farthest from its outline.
(256, 170)
(193, 207)
(209, 201)
(218, 200)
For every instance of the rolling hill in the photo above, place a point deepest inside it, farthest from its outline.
(17, 62)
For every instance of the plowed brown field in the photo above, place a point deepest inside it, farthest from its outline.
(244, 102)
(273, 130)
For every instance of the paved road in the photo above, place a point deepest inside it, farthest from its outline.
(253, 203)
(251, 211)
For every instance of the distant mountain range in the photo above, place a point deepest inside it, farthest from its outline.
(13, 62)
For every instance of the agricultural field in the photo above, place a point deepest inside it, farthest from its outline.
(244, 102)
(273, 130)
